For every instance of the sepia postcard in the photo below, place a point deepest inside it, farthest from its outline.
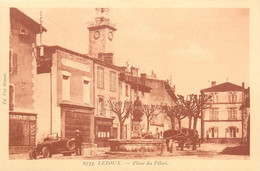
(129, 85)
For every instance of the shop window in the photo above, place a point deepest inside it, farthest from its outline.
(100, 77)
(11, 97)
(86, 92)
(112, 81)
(103, 132)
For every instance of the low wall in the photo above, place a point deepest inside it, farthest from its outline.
(222, 140)
(136, 145)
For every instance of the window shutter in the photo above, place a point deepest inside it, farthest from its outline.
(14, 62)
(10, 61)
(11, 97)
(237, 130)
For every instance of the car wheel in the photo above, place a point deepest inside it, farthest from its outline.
(45, 152)
(32, 154)
(71, 145)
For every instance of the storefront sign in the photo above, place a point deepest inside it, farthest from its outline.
(100, 122)
(76, 65)
(22, 117)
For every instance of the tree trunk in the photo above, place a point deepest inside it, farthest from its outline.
(190, 118)
(179, 120)
(121, 124)
(195, 123)
(173, 123)
(148, 124)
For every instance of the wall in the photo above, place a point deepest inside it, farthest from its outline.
(23, 78)
(43, 105)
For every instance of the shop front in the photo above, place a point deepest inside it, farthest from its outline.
(77, 117)
(22, 132)
(103, 130)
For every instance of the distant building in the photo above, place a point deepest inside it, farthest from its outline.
(131, 87)
(22, 79)
(223, 120)
(161, 93)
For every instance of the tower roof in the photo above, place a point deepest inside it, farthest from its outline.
(224, 87)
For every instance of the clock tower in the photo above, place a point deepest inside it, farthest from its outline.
(101, 37)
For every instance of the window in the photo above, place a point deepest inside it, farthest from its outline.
(112, 81)
(214, 114)
(11, 97)
(101, 106)
(100, 77)
(65, 85)
(86, 91)
(232, 97)
(214, 97)
(232, 114)
(11, 61)
(111, 112)
(126, 90)
(231, 132)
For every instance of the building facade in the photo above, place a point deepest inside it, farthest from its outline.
(106, 79)
(22, 80)
(65, 94)
(223, 120)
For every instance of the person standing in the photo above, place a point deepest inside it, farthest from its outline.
(78, 143)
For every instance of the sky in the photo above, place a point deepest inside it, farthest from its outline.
(193, 46)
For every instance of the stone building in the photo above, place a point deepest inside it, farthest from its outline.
(64, 93)
(106, 78)
(223, 120)
(22, 79)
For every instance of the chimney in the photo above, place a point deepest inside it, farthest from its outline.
(243, 84)
(153, 75)
(134, 71)
(213, 83)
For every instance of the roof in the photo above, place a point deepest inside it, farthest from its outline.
(25, 20)
(227, 86)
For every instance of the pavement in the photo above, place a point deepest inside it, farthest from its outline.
(206, 151)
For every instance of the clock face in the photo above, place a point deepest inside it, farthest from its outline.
(110, 36)
(96, 35)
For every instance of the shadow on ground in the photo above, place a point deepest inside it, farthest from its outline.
(238, 150)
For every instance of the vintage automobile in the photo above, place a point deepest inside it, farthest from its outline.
(53, 144)
(184, 138)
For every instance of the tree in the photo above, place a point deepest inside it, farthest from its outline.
(175, 112)
(122, 110)
(150, 112)
(194, 106)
